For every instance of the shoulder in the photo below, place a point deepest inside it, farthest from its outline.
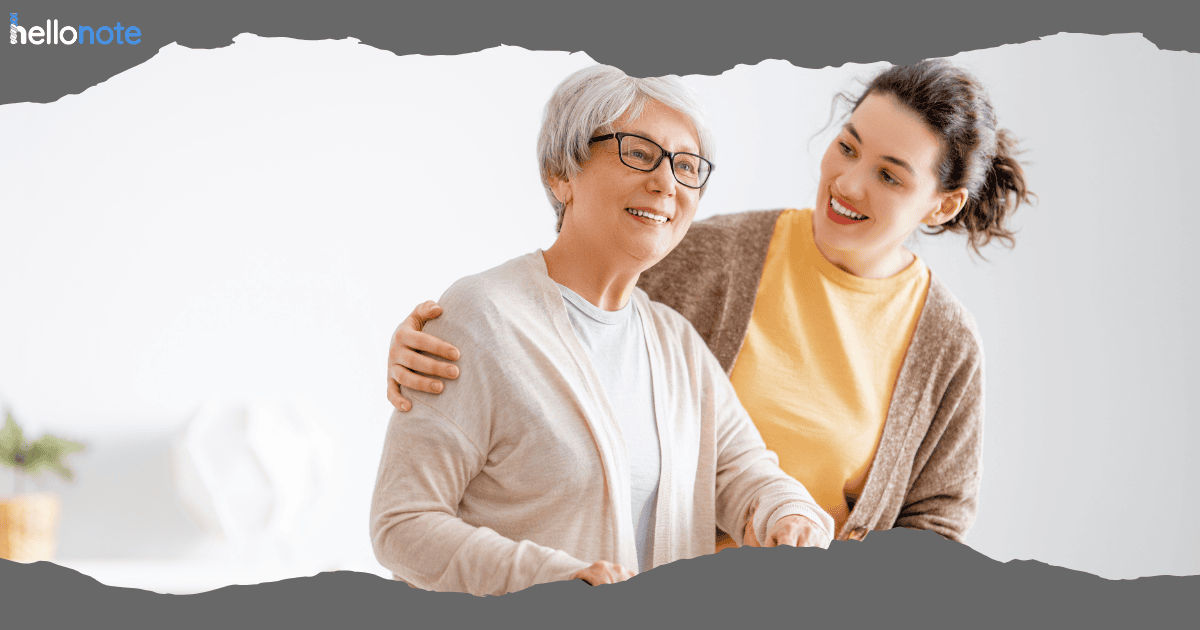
(497, 281)
(723, 231)
(490, 317)
(489, 300)
(735, 221)
(947, 338)
(952, 319)
(712, 248)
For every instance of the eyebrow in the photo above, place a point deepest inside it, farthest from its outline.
(849, 127)
(686, 149)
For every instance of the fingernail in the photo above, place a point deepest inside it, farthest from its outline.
(437, 387)
(454, 355)
(403, 406)
(453, 372)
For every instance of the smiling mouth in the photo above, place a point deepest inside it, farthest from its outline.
(844, 211)
(657, 218)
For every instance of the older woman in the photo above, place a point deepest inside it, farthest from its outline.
(859, 367)
(592, 431)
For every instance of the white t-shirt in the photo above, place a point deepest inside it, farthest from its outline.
(616, 344)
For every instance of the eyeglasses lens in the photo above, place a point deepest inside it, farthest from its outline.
(639, 153)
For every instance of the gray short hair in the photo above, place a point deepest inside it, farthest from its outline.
(589, 102)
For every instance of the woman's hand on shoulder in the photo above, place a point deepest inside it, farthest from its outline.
(603, 572)
(409, 368)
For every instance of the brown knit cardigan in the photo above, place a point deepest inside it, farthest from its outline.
(927, 468)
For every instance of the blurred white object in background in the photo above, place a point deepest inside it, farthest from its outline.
(257, 473)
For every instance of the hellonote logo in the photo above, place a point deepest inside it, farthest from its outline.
(67, 35)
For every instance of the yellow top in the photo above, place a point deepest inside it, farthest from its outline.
(820, 360)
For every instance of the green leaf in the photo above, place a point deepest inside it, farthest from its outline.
(47, 452)
(62, 471)
(11, 439)
(56, 448)
(36, 461)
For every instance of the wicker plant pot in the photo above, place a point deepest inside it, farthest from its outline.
(27, 524)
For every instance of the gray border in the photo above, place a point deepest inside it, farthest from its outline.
(709, 39)
(893, 578)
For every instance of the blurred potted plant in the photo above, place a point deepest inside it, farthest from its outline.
(27, 520)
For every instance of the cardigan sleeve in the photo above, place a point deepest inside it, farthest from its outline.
(415, 531)
(944, 493)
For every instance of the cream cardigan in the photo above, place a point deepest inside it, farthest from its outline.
(517, 474)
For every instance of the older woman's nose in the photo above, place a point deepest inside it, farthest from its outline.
(662, 180)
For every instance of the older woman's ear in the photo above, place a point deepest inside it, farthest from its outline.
(562, 190)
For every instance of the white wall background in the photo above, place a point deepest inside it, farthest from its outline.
(255, 220)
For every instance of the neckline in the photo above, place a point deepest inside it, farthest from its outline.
(841, 277)
(609, 318)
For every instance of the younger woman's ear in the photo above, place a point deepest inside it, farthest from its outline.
(952, 204)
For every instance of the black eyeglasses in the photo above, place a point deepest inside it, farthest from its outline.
(644, 154)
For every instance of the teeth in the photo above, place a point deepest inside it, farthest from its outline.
(653, 217)
(842, 210)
